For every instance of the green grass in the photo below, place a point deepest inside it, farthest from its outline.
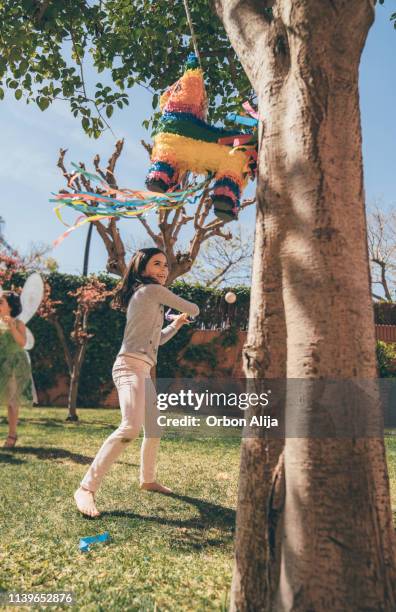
(166, 553)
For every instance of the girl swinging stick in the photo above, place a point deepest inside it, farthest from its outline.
(143, 295)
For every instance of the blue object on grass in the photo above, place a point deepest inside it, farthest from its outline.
(86, 542)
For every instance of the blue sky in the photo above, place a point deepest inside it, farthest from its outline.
(31, 140)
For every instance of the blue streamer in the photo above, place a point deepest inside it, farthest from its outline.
(242, 120)
(117, 207)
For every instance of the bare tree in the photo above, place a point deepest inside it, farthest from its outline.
(382, 251)
(4, 245)
(165, 233)
(37, 257)
(224, 262)
(109, 231)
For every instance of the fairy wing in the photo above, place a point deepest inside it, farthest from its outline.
(31, 296)
(29, 344)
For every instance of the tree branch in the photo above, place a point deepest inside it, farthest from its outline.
(377, 297)
(96, 161)
(110, 178)
(155, 237)
(147, 146)
(68, 176)
(41, 11)
(62, 339)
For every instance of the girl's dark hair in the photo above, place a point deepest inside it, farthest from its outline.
(133, 277)
(14, 302)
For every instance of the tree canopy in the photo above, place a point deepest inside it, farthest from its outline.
(47, 47)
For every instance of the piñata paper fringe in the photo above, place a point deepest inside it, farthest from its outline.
(118, 203)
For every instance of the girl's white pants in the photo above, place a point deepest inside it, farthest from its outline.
(138, 399)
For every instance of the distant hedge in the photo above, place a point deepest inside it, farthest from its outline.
(107, 325)
(385, 313)
(386, 359)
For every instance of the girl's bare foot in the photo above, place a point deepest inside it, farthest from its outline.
(155, 486)
(85, 502)
(10, 442)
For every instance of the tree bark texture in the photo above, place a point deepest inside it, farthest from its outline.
(78, 361)
(334, 543)
(261, 470)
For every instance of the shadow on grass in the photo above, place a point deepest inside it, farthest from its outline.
(45, 422)
(53, 453)
(211, 515)
(8, 457)
(49, 453)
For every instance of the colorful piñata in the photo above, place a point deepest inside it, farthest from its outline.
(185, 142)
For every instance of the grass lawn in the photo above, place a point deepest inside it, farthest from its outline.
(166, 553)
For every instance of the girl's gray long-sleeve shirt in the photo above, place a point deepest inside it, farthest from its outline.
(145, 317)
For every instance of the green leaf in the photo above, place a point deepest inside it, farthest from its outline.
(23, 66)
(1, 93)
(109, 110)
(27, 81)
(18, 94)
(43, 103)
(135, 42)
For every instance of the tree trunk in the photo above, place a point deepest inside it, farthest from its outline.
(264, 354)
(75, 380)
(73, 391)
(335, 541)
(87, 250)
(114, 246)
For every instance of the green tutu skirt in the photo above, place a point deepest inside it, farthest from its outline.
(15, 372)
